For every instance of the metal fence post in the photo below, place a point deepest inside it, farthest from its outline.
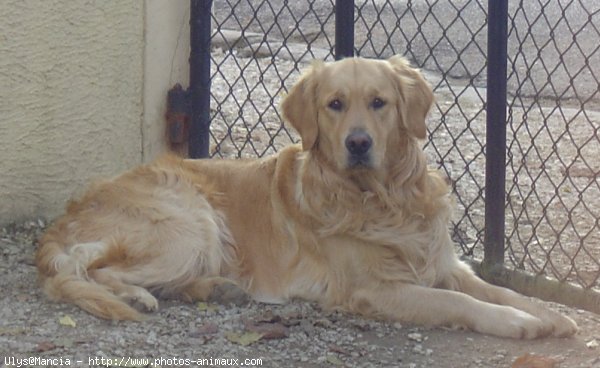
(495, 191)
(200, 32)
(344, 29)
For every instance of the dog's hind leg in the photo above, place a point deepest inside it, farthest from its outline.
(131, 293)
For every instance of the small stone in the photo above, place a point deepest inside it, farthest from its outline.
(415, 336)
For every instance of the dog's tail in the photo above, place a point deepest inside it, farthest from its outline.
(64, 277)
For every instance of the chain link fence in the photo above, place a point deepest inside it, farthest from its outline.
(553, 196)
(553, 189)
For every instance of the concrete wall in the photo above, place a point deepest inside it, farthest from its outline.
(166, 63)
(82, 94)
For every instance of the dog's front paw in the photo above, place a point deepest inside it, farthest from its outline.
(563, 326)
(527, 326)
(513, 323)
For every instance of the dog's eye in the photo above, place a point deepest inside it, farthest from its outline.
(336, 105)
(377, 103)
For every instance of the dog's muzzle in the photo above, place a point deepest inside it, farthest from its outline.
(358, 143)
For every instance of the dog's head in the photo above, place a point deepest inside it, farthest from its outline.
(356, 112)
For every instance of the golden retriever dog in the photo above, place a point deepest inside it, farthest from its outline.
(352, 219)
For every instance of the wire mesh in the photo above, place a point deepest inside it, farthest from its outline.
(553, 193)
(259, 47)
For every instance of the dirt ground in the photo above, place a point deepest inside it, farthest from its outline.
(37, 332)
(49, 334)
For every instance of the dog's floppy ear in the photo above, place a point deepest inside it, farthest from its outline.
(416, 96)
(299, 107)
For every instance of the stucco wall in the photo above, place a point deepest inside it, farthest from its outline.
(167, 50)
(71, 103)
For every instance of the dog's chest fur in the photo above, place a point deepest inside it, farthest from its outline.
(372, 241)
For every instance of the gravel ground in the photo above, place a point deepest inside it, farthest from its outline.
(298, 334)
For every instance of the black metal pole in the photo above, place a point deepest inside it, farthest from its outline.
(199, 89)
(344, 29)
(495, 190)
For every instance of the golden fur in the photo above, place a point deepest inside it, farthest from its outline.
(352, 219)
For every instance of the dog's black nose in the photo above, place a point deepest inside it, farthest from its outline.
(358, 143)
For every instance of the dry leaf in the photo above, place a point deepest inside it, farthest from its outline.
(334, 360)
(12, 331)
(205, 307)
(269, 331)
(243, 339)
(268, 316)
(338, 349)
(291, 319)
(534, 361)
(67, 321)
(45, 346)
(206, 329)
(64, 342)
